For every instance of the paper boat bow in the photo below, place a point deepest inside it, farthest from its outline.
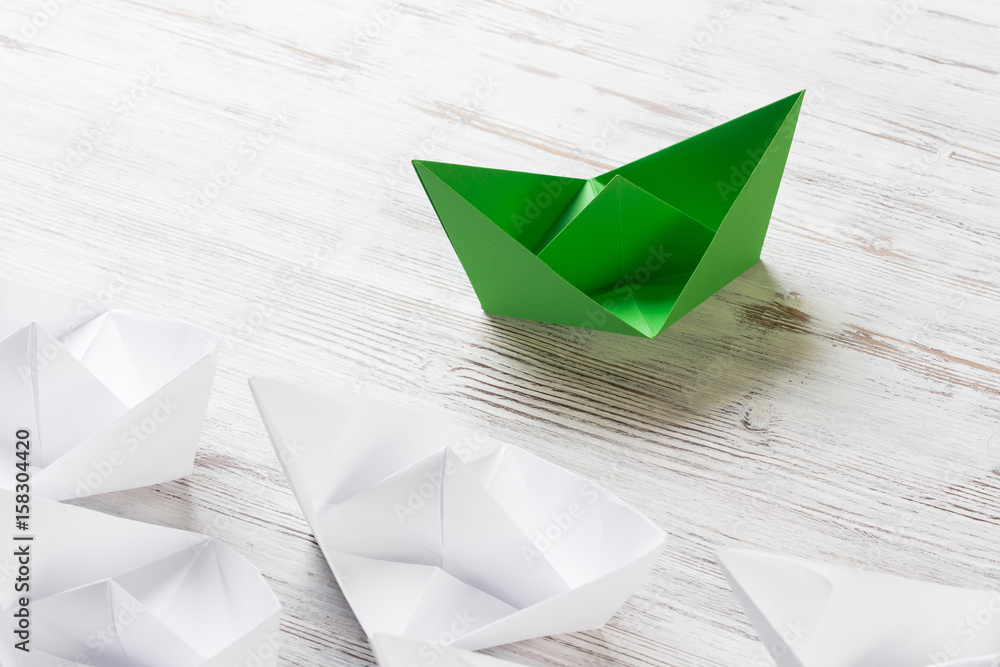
(435, 532)
(109, 592)
(811, 614)
(112, 400)
(630, 251)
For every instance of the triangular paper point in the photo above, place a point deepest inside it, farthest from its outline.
(814, 614)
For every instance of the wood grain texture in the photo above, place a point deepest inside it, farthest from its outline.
(841, 400)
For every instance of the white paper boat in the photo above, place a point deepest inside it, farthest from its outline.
(109, 592)
(436, 532)
(812, 614)
(393, 651)
(112, 400)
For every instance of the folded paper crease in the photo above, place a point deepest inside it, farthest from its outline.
(630, 251)
(113, 400)
(813, 614)
(435, 531)
(110, 592)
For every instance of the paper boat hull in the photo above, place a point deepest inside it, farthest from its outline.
(630, 251)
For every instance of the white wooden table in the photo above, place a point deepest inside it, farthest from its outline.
(244, 165)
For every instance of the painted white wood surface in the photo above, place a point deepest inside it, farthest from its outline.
(840, 401)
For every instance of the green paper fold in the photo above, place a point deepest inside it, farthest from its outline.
(630, 251)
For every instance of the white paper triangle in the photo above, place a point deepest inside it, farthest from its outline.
(812, 614)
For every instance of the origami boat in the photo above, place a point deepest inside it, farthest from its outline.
(107, 400)
(811, 614)
(630, 251)
(436, 532)
(110, 592)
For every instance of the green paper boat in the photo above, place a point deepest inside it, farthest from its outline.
(630, 251)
